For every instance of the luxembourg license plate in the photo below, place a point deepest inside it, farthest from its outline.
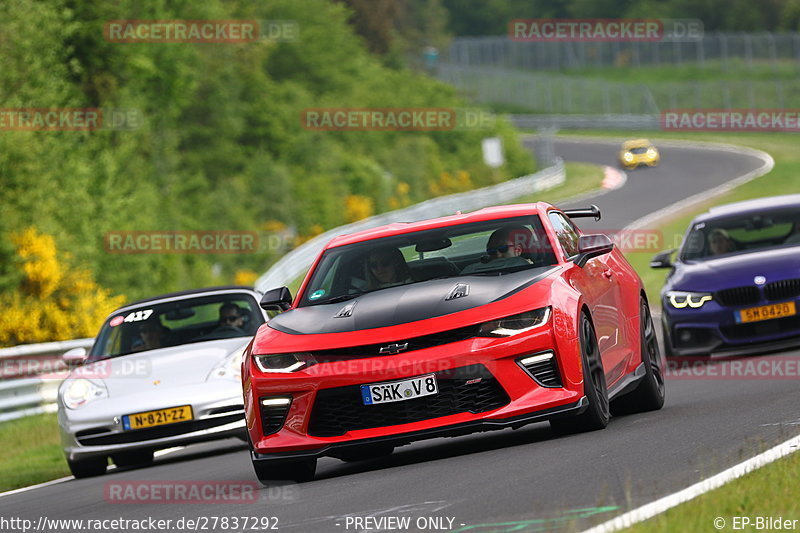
(398, 391)
(767, 312)
(160, 417)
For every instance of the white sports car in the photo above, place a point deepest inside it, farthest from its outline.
(162, 372)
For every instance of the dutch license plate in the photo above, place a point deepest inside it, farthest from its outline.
(157, 418)
(398, 391)
(767, 312)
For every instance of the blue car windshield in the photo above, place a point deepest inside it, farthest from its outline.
(742, 233)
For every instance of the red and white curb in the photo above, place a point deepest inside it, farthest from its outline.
(614, 178)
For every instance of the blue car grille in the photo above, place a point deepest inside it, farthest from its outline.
(738, 296)
(782, 290)
(775, 291)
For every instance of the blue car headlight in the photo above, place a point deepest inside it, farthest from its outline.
(684, 299)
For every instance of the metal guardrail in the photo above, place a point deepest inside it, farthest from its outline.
(296, 262)
(22, 395)
(603, 122)
(44, 348)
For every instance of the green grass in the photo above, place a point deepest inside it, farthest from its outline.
(633, 90)
(768, 491)
(736, 70)
(31, 452)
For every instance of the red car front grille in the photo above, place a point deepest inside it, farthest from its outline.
(470, 389)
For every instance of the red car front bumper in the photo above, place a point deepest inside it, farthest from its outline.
(483, 386)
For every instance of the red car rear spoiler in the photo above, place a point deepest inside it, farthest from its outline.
(592, 211)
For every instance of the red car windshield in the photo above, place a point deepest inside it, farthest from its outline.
(492, 247)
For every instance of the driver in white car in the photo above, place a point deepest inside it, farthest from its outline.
(230, 316)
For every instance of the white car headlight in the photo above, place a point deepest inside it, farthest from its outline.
(651, 152)
(81, 391)
(229, 368)
(628, 156)
(683, 299)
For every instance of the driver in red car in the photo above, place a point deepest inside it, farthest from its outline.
(504, 249)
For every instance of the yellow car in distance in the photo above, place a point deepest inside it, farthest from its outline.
(637, 152)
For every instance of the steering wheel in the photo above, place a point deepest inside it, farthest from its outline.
(226, 329)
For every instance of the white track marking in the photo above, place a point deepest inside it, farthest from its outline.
(159, 453)
(39, 486)
(667, 502)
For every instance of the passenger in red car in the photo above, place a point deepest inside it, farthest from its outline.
(386, 267)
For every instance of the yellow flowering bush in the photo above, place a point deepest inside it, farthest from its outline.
(313, 231)
(53, 301)
(245, 277)
(400, 197)
(357, 207)
(449, 184)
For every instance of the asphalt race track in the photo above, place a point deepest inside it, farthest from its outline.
(500, 480)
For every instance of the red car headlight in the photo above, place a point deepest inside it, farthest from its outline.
(515, 324)
(284, 363)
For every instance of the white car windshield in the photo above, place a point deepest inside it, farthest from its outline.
(150, 326)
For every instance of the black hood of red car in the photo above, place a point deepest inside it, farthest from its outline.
(407, 303)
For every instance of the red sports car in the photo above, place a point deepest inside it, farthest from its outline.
(472, 322)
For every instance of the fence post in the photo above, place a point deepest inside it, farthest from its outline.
(748, 50)
(796, 47)
(772, 54)
(701, 56)
(723, 51)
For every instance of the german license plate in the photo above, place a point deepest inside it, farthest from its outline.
(160, 417)
(398, 391)
(767, 312)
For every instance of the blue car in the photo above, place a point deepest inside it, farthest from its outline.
(734, 287)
